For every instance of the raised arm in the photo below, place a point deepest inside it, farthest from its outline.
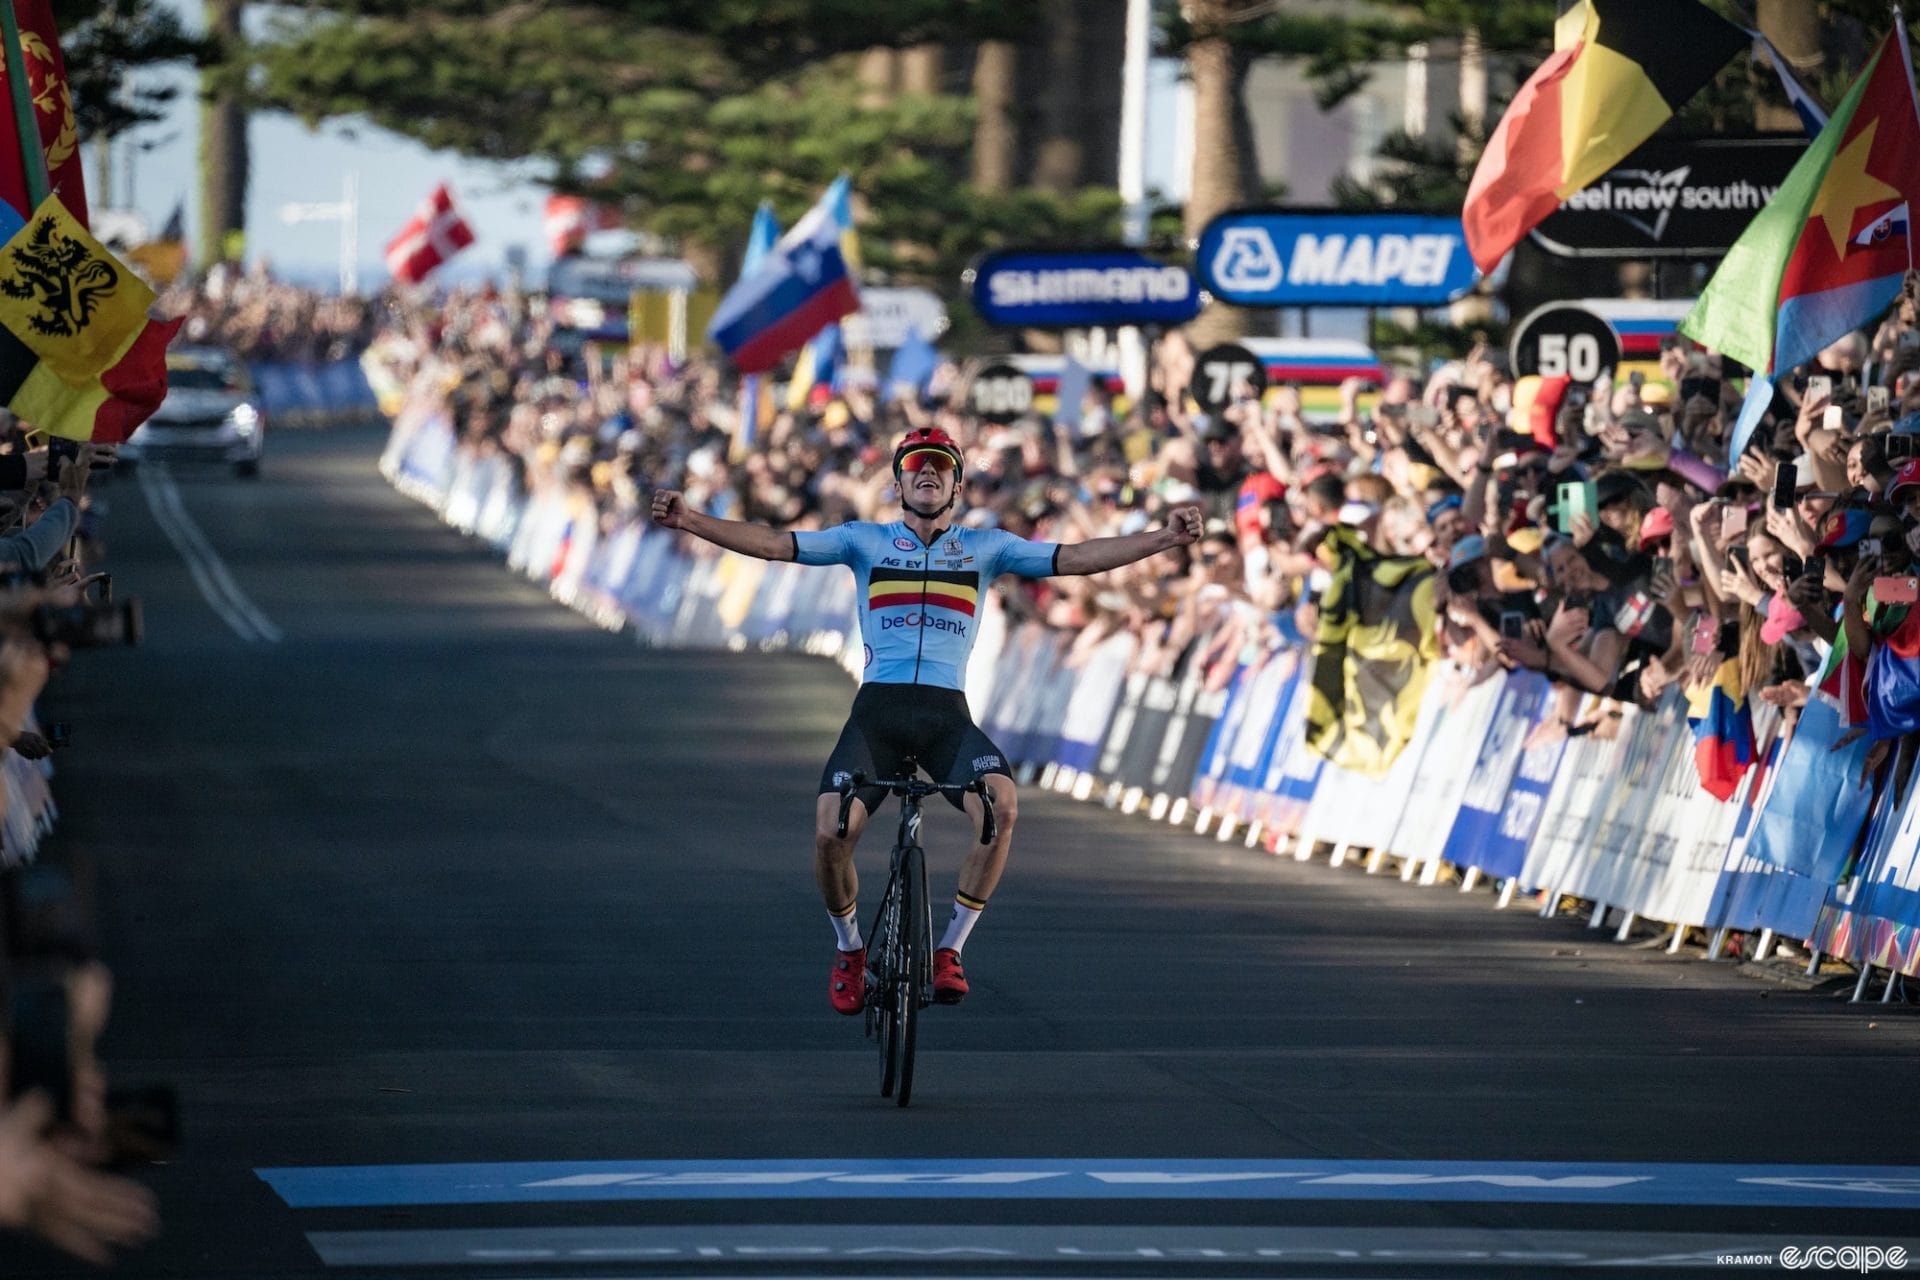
(670, 511)
(1182, 529)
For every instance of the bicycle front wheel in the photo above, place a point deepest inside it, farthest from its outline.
(912, 985)
(883, 969)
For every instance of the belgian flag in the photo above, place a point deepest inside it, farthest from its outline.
(79, 356)
(1619, 70)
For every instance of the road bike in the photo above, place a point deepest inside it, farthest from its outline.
(900, 944)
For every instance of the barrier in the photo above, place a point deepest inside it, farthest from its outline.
(336, 393)
(1614, 818)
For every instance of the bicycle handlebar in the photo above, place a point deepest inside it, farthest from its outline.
(917, 789)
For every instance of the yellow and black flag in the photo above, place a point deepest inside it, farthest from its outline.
(79, 355)
(1371, 653)
(1619, 70)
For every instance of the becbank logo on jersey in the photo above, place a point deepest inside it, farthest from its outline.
(891, 621)
(1274, 258)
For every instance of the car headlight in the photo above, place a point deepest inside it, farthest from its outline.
(245, 419)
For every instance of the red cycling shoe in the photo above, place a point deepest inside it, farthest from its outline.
(949, 979)
(849, 989)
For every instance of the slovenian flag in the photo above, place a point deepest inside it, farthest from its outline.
(804, 285)
(1619, 70)
(1722, 730)
(1823, 257)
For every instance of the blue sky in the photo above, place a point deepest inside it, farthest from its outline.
(292, 164)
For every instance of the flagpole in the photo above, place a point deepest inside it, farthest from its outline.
(32, 154)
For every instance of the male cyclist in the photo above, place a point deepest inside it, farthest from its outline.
(922, 582)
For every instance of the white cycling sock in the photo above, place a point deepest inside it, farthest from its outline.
(966, 910)
(847, 927)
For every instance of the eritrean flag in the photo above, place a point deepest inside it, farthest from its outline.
(1828, 252)
(1619, 70)
(803, 286)
(1722, 727)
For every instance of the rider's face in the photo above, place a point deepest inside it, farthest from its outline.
(928, 488)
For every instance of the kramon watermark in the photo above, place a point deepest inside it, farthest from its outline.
(1860, 1258)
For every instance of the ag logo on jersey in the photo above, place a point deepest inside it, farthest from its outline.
(905, 544)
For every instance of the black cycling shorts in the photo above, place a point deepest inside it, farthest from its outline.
(891, 723)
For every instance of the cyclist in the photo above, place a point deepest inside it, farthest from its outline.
(922, 580)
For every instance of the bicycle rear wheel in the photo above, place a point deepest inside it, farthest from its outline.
(911, 988)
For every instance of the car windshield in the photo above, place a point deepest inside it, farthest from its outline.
(203, 378)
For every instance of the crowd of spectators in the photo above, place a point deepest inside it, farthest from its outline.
(263, 319)
(60, 1129)
(1596, 532)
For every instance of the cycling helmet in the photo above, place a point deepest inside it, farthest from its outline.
(924, 441)
(927, 438)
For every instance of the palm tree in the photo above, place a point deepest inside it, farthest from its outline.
(1223, 160)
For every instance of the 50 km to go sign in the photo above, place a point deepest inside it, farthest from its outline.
(1560, 340)
(1000, 393)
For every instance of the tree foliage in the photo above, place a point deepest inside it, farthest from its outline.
(109, 47)
(685, 113)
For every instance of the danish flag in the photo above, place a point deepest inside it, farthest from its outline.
(435, 233)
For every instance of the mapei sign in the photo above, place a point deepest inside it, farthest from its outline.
(1081, 289)
(1278, 258)
(1673, 198)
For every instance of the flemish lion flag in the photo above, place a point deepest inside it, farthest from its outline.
(1371, 655)
(1619, 70)
(79, 356)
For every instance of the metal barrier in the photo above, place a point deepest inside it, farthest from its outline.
(1615, 819)
(332, 394)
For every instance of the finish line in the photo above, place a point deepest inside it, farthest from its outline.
(1510, 1182)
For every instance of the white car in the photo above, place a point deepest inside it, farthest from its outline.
(212, 413)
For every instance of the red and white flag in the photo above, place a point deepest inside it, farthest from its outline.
(570, 219)
(435, 233)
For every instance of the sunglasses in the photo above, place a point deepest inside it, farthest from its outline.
(927, 460)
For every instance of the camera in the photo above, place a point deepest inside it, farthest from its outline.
(1899, 446)
(87, 626)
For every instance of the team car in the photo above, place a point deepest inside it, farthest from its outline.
(212, 413)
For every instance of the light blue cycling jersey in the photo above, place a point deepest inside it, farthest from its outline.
(918, 603)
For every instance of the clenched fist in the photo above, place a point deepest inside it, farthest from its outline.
(1186, 526)
(669, 509)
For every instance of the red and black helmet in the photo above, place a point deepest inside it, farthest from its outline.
(926, 440)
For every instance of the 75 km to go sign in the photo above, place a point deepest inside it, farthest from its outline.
(1219, 370)
(1561, 340)
(1000, 393)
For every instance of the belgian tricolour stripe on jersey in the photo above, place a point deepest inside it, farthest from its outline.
(942, 590)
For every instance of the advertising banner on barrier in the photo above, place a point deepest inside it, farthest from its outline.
(1081, 289)
(1507, 789)
(1673, 198)
(1817, 806)
(1290, 258)
(1875, 918)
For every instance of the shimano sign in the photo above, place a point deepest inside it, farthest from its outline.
(1274, 258)
(1673, 198)
(1036, 289)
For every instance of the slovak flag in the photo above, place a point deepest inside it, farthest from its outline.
(803, 286)
(1889, 224)
(435, 233)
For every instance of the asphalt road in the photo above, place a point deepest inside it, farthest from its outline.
(402, 864)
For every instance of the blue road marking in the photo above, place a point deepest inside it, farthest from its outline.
(1515, 1182)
